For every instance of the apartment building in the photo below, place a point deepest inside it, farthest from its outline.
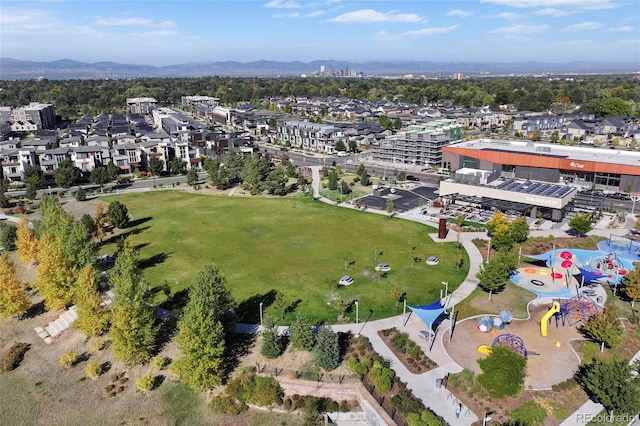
(43, 116)
(141, 105)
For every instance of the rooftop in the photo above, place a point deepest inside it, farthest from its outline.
(603, 155)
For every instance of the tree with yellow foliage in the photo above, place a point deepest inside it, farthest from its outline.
(102, 221)
(92, 317)
(55, 281)
(26, 241)
(13, 297)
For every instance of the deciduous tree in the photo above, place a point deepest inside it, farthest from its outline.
(55, 281)
(204, 330)
(495, 273)
(156, 165)
(631, 284)
(13, 297)
(132, 329)
(503, 372)
(580, 224)
(92, 317)
(26, 242)
(605, 327)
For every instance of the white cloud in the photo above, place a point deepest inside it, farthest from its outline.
(506, 15)
(298, 15)
(283, 4)
(573, 4)
(556, 13)
(585, 26)
(620, 29)
(461, 13)
(368, 16)
(517, 30)
(107, 21)
(384, 36)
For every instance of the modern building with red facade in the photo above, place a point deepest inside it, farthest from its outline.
(604, 168)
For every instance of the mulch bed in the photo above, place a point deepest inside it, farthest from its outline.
(417, 365)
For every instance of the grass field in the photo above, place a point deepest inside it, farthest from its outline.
(296, 246)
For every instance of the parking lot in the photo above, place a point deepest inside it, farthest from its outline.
(403, 199)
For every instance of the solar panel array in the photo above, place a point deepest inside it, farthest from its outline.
(536, 188)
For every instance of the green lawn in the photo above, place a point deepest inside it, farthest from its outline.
(292, 245)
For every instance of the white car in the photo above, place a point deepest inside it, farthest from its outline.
(343, 154)
(432, 260)
(383, 267)
(346, 280)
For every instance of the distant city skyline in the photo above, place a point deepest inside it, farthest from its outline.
(175, 32)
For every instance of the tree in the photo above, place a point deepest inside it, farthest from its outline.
(13, 297)
(605, 327)
(613, 383)
(177, 166)
(390, 206)
(192, 176)
(66, 175)
(580, 224)
(132, 320)
(495, 273)
(118, 214)
(503, 372)
(88, 223)
(340, 146)
(631, 284)
(353, 145)
(99, 176)
(277, 181)
(402, 176)
(327, 349)
(519, 230)
(81, 194)
(271, 341)
(397, 294)
(92, 317)
(55, 280)
(101, 222)
(34, 176)
(26, 241)
(234, 164)
(9, 237)
(112, 169)
(205, 330)
(156, 165)
(333, 180)
(301, 334)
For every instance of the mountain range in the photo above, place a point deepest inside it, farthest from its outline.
(15, 69)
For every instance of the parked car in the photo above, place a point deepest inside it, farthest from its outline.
(123, 181)
(383, 267)
(413, 178)
(343, 154)
(619, 196)
(346, 280)
(284, 148)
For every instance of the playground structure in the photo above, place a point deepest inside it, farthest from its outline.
(488, 324)
(609, 267)
(569, 312)
(509, 340)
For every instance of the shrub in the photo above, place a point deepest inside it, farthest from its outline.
(158, 362)
(503, 372)
(382, 377)
(80, 194)
(146, 383)
(68, 359)
(93, 369)
(12, 358)
(266, 391)
(98, 344)
(9, 236)
(530, 413)
(228, 405)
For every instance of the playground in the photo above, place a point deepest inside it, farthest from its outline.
(549, 363)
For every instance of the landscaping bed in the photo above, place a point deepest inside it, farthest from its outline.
(407, 351)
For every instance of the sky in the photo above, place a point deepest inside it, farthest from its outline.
(153, 32)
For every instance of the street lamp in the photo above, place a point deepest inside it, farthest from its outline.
(261, 314)
(357, 312)
(446, 288)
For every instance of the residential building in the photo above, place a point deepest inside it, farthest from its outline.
(141, 105)
(420, 148)
(42, 115)
(199, 101)
(15, 161)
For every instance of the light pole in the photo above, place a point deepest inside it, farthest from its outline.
(446, 289)
(260, 314)
(357, 312)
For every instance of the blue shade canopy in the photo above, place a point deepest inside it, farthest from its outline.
(428, 313)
